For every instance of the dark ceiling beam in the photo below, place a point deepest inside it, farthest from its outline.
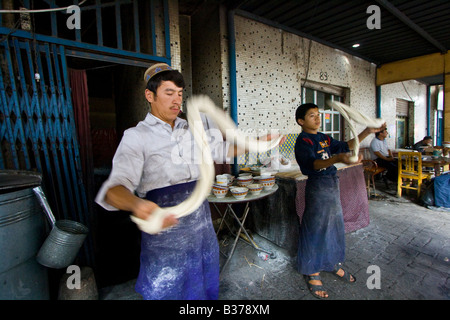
(402, 17)
(234, 4)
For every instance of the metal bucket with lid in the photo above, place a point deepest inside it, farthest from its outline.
(22, 232)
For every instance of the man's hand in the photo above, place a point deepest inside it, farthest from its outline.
(121, 198)
(144, 208)
(271, 137)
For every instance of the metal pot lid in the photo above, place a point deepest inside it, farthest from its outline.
(19, 179)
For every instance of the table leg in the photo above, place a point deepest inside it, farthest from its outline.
(222, 220)
(237, 236)
(242, 228)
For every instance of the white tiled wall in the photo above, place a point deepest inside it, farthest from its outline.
(272, 65)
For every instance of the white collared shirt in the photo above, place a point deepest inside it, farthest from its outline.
(152, 155)
(380, 146)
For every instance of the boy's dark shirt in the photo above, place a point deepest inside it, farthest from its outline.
(310, 147)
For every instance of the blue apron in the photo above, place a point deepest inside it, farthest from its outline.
(322, 233)
(181, 263)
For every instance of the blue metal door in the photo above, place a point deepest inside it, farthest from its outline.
(37, 126)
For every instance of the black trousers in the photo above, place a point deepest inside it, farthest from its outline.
(391, 167)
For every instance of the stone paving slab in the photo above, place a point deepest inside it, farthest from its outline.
(408, 242)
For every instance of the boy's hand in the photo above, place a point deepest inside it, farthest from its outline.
(374, 130)
(345, 158)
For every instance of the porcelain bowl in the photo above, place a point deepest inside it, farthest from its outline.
(267, 182)
(265, 178)
(255, 188)
(268, 185)
(230, 178)
(244, 181)
(219, 191)
(239, 193)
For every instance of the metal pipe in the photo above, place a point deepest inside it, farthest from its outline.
(428, 110)
(43, 201)
(232, 70)
(232, 66)
(378, 101)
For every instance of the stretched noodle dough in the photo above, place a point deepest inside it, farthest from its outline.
(352, 114)
(195, 105)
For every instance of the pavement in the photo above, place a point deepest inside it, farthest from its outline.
(403, 254)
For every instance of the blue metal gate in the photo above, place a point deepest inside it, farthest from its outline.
(37, 126)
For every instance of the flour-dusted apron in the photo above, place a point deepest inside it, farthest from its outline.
(322, 232)
(181, 263)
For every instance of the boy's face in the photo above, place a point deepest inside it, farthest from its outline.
(311, 124)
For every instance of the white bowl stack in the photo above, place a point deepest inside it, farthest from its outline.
(220, 191)
(239, 193)
(255, 188)
(267, 181)
(244, 180)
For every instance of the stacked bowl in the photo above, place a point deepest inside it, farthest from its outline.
(230, 178)
(255, 188)
(239, 193)
(267, 181)
(220, 191)
(244, 180)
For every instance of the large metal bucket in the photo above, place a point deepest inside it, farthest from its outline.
(22, 232)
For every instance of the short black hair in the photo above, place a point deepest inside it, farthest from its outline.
(303, 109)
(427, 138)
(170, 75)
(379, 132)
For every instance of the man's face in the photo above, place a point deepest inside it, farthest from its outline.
(166, 103)
(428, 141)
(311, 123)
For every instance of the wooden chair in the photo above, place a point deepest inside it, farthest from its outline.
(410, 167)
(371, 169)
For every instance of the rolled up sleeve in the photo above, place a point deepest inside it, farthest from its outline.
(127, 168)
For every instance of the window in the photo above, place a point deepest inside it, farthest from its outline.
(330, 119)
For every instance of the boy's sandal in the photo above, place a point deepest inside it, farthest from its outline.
(347, 277)
(313, 288)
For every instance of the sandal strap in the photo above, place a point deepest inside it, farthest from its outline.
(337, 267)
(309, 278)
(346, 276)
(314, 288)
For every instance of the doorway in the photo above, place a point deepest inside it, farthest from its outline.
(401, 132)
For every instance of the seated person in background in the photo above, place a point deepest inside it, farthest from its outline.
(383, 155)
(422, 144)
